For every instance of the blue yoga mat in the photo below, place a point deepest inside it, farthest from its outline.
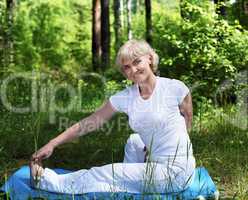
(17, 187)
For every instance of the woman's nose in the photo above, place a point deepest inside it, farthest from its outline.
(134, 69)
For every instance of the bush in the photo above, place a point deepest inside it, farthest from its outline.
(200, 48)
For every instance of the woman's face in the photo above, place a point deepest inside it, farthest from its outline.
(138, 69)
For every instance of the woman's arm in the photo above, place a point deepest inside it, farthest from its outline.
(186, 110)
(86, 125)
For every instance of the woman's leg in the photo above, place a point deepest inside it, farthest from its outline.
(131, 176)
(134, 150)
(116, 177)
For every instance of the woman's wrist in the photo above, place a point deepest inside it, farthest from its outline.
(53, 143)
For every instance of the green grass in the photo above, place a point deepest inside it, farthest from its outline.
(218, 145)
(221, 146)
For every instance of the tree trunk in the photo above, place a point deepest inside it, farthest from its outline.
(245, 7)
(148, 21)
(96, 35)
(122, 12)
(117, 24)
(8, 37)
(129, 19)
(105, 33)
(2, 34)
(243, 12)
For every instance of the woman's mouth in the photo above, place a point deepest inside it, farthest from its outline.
(138, 73)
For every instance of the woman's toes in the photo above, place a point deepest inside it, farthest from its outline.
(40, 170)
(36, 171)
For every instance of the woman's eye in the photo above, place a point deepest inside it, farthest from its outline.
(136, 62)
(126, 67)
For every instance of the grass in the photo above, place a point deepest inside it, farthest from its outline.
(218, 145)
(221, 146)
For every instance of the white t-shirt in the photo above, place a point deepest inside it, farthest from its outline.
(157, 119)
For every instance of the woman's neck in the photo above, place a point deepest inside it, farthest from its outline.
(148, 85)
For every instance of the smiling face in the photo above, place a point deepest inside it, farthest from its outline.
(137, 61)
(138, 69)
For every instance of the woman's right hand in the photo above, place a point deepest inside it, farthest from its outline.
(44, 152)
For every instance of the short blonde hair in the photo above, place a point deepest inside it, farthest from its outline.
(133, 49)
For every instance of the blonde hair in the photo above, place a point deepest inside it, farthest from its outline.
(133, 49)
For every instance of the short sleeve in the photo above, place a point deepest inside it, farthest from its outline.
(180, 90)
(119, 101)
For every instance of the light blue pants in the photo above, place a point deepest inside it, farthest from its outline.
(133, 175)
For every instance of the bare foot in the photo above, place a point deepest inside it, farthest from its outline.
(36, 170)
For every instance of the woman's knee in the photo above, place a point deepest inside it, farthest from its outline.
(135, 141)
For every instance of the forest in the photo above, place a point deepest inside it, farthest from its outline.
(57, 66)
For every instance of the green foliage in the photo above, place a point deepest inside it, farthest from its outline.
(52, 35)
(200, 48)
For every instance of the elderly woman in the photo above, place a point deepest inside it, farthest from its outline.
(158, 157)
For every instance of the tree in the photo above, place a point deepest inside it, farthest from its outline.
(117, 23)
(7, 38)
(122, 12)
(96, 35)
(148, 21)
(2, 29)
(245, 7)
(105, 33)
(129, 19)
(240, 11)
